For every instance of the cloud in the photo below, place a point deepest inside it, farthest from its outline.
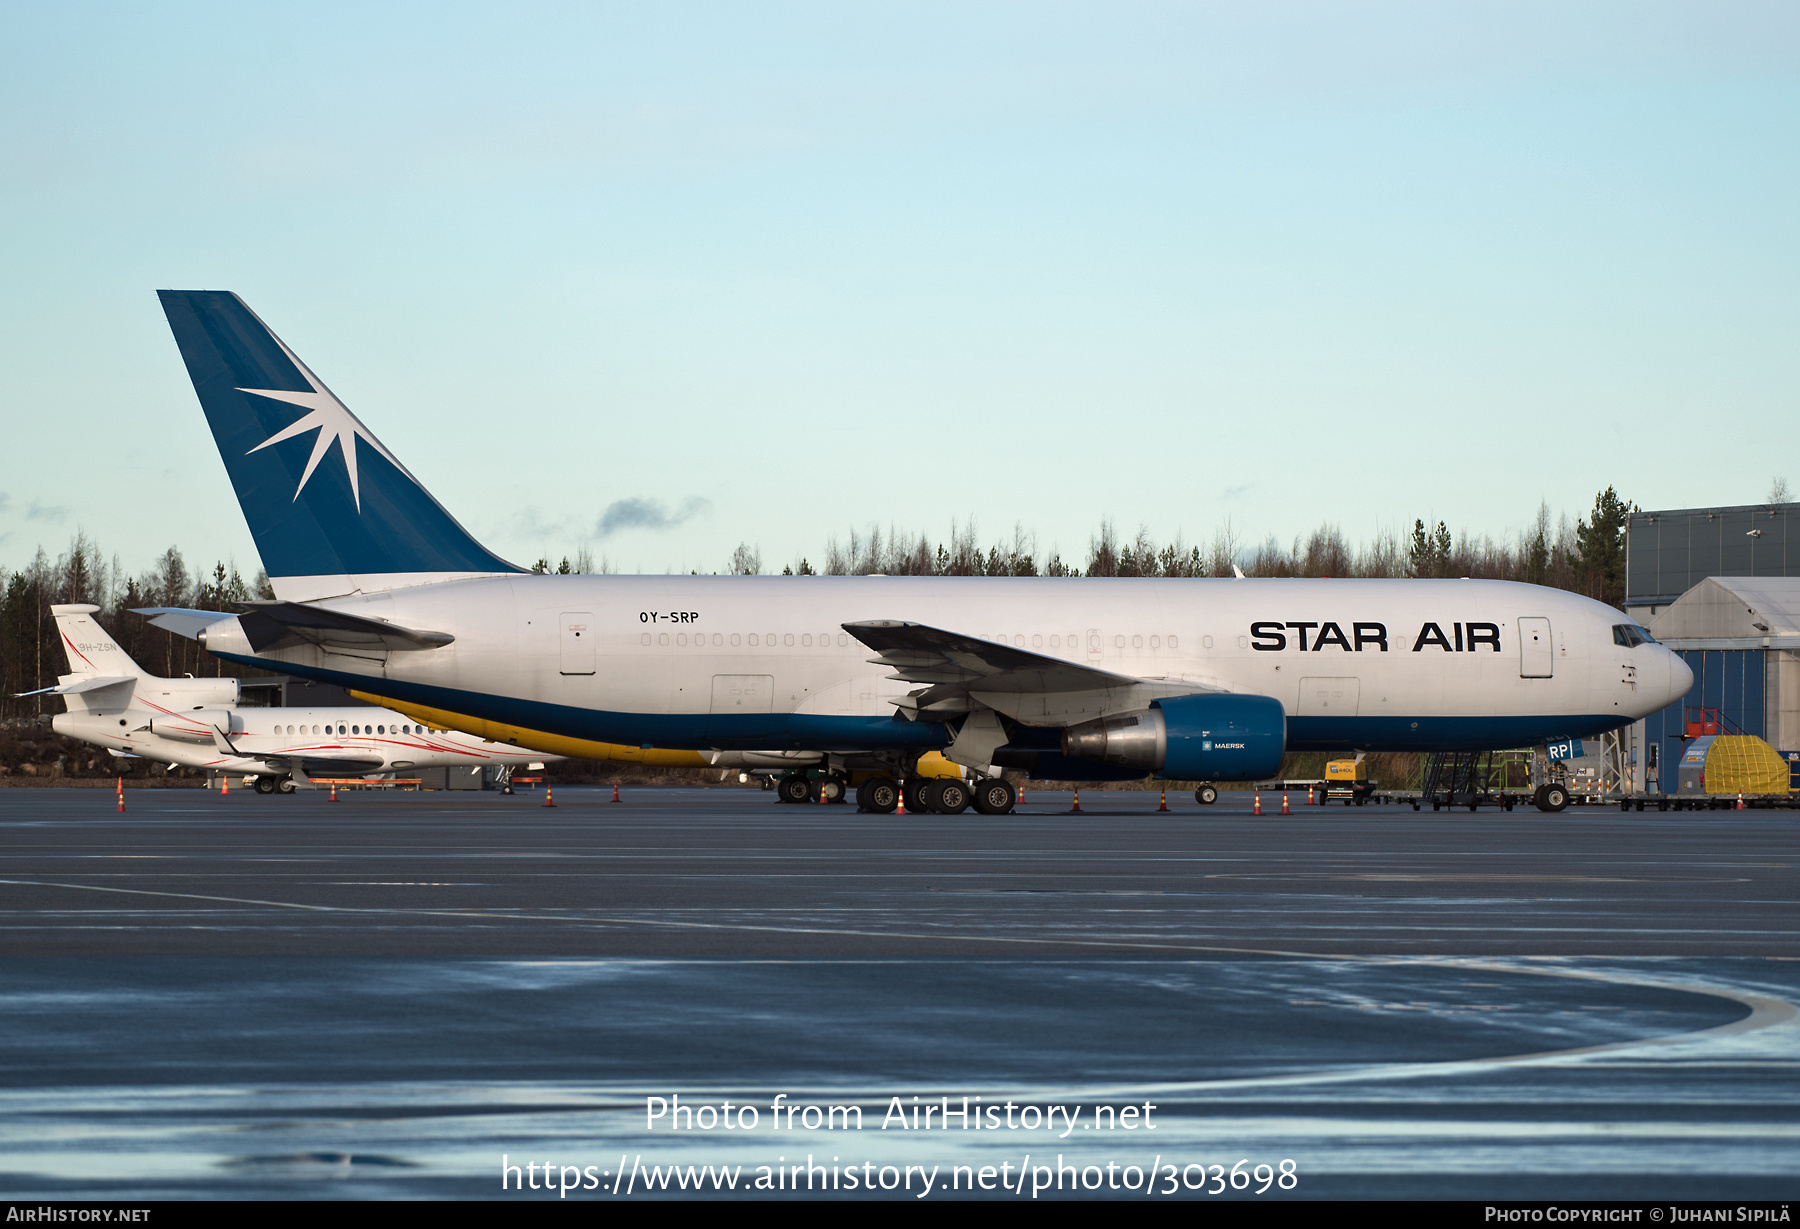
(45, 512)
(636, 513)
(1232, 492)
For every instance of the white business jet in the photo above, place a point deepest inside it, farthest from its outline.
(196, 722)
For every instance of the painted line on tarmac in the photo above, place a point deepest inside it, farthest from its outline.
(1763, 1011)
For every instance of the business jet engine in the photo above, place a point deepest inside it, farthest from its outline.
(1208, 737)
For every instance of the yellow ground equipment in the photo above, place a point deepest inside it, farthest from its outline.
(1732, 764)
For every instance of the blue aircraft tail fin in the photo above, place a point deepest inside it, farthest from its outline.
(324, 498)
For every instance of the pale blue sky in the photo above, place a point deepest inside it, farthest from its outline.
(821, 265)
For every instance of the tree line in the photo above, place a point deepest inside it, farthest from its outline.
(1586, 556)
(31, 653)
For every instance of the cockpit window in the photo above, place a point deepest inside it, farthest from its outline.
(1630, 635)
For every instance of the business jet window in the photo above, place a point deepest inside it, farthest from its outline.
(788, 640)
(663, 639)
(341, 729)
(1172, 643)
(1156, 642)
(1037, 642)
(1137, 642)
(752, 639)
(843, 640)
(1630, 635)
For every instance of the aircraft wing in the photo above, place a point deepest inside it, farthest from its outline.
(963, 673)
(920, 654)
(308, 764)
(275, 625)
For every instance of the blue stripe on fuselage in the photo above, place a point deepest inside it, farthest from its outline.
(1442, 733)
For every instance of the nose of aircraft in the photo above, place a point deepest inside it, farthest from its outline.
(1681, 677)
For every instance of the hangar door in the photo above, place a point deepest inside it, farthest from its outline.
(1537, 658)
(577, 642)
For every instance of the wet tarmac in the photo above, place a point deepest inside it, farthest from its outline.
(402, 994)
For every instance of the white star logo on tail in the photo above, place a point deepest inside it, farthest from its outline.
(330, 418)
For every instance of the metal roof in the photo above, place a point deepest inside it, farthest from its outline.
(1733, 612)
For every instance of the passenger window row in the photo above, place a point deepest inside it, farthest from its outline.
(1074, 641)
(351, 729)
(756, 640)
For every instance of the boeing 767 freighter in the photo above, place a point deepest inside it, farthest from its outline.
(379, 589)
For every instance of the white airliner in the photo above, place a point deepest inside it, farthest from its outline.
(380, 589)
(196, 722)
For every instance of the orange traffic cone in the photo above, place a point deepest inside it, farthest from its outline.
(1284, 804)
(822, 798)
(1740, 805)
(548, 801)
(900, 803)
(615, 791)
(1020, 800)
(1077, 807)
(121, 795)
(1309, 795)
(334, 791)
(1256, 803)
(1164, 804)
(225, 787)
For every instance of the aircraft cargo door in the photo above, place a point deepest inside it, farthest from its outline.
(739, 696)
(1328, 708)
(577, 642)
(1537, 659)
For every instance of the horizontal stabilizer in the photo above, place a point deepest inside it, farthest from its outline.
(273, 625)
(276, 625)
(182, 622)
(69, 689)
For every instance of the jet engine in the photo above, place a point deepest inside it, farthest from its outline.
(194, 727)
(1205, 737)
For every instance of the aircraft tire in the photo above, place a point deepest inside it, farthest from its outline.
(265, 785)
(795, 789)
(1554, 799)
(878, 795)
(915, 793)
(951, 797)
(1206, 795)
(995, 797)
(286, 785)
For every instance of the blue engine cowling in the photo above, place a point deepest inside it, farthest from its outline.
(1205, 737)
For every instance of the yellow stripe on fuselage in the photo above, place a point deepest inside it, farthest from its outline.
(538, 740)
